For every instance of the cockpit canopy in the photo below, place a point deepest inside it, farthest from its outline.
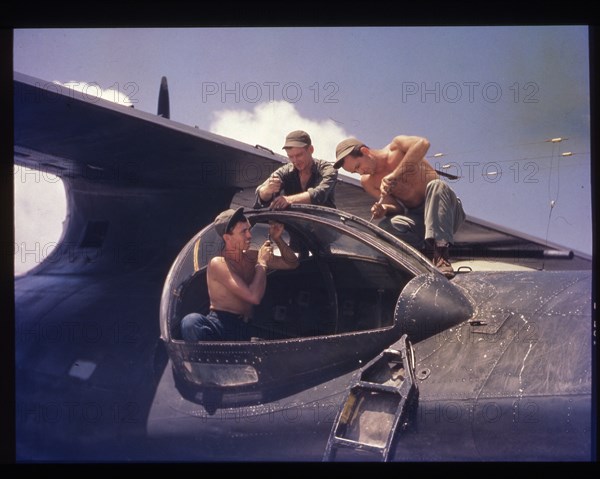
(336, 309)
(345, 265)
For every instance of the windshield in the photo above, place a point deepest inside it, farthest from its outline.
(334, 261)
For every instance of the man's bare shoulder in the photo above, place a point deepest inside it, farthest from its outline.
(216, 267)
(370, 184)
(217, 261)
(405, 141)
(366, 180)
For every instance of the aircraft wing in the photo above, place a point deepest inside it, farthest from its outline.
(74, 135)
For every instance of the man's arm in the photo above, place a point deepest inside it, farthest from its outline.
(267, 190)
(411, 149)
(299, 198)
(250, 293)
(370, 187)
(319, 194)
(386, 204)
(288, 259)
(405, 152)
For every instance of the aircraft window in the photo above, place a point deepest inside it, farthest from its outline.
(333, 241)
(346, 286)
(351, 246)
(304, 236)
(209, 245)
(260, 233)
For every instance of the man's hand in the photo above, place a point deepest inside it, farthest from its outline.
(273, 185)
(265, 254)
(388, 183)
(280, 203)
(275, 230)
(377, 211)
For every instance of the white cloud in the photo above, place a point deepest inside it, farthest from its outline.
(269, 123)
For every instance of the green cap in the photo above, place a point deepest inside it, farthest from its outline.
(297, 138)
(227, 219)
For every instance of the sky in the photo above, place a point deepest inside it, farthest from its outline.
(490, 100)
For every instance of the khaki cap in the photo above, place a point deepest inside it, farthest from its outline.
(343, 149)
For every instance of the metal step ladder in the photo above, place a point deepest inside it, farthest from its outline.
(377, 405)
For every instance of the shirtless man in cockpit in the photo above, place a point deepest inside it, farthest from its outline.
(236, 280)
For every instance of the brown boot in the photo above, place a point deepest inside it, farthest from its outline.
(441, 260)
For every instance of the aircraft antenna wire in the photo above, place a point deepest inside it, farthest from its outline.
(553, 190)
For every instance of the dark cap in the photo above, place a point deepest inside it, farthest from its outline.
(227, 219)
(344, 148)
(297, 138)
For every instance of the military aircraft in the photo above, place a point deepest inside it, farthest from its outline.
(368, 352)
